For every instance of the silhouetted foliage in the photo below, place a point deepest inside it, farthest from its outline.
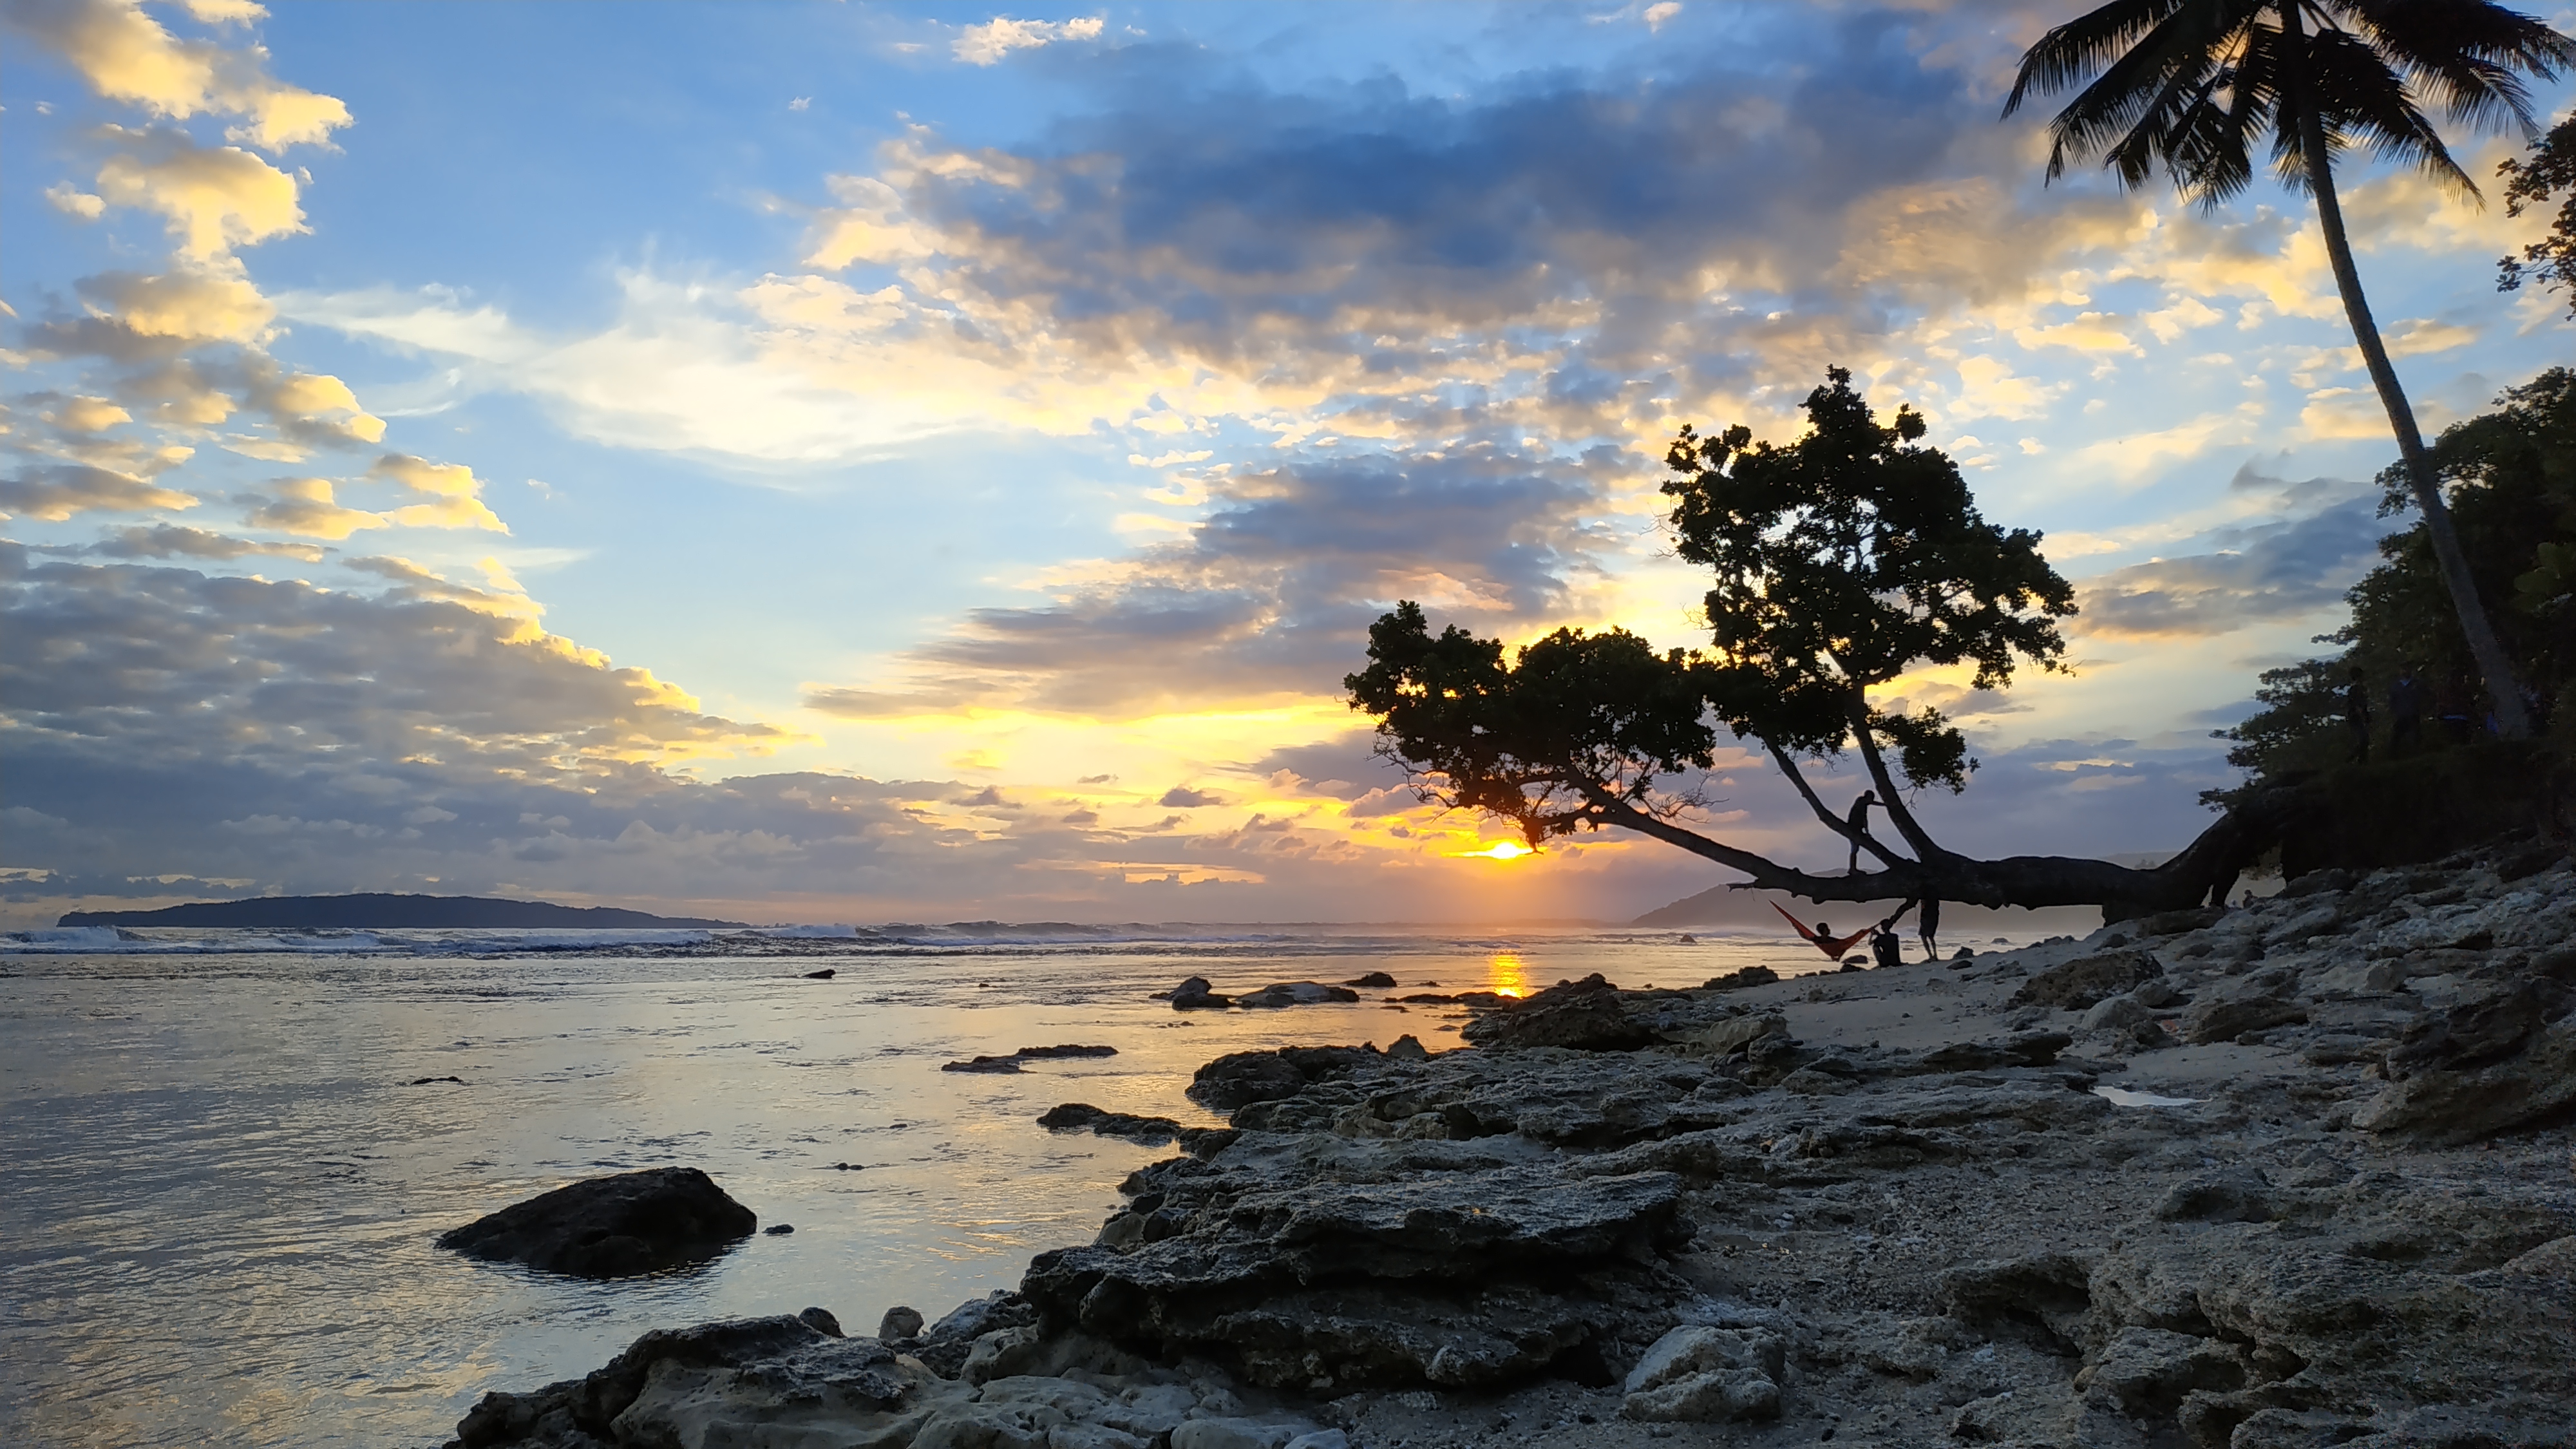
(2510, 479)
(2198, 88)
(1842, 560)
(2550, 170)
(2300, 726)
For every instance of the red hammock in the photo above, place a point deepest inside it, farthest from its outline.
(1833, 946)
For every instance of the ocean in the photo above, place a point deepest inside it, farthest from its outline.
(227, 1152)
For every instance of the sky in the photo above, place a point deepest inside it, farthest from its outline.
(840, 462)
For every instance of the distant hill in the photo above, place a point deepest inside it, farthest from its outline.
(1716, 906)
(1723, 906)
(380, 911)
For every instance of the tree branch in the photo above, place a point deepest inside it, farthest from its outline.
(1906, 825)
(1833, 822)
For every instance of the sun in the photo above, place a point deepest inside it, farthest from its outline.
(1499, 850)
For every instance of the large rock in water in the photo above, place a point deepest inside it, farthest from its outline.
(610, 1227)
(1586, 1015)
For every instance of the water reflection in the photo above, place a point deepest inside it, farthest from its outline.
(254, 1152)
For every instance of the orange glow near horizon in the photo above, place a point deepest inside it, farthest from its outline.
(1499, 850)
(1509, 976)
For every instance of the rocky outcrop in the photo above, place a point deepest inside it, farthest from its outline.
(2088, 979)
(611, 1227)
(1244, 1077)
(1801, 1209)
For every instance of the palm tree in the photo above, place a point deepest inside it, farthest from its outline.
(2196, 84)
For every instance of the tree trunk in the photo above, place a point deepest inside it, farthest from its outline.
(2207, 867)
(2503, 686)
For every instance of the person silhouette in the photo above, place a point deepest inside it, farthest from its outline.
(1858, 820)
(2405, 711)
(1887, 946)
(2356, 717)
(1929, 924)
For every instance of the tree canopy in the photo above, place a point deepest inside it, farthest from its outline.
(2510, 479)
(2532, 182)
(1841, 562)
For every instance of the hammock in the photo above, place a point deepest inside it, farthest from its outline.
(1833, 946)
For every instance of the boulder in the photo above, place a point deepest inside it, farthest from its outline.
(1084, 1117)
(2449, 1107)
(1195, 994)
(2474, 1033)
(2146, 1372)
(2116, 1012)
(2230, 1195)
(1239, 1079)
(1741, 977)
(2086, 980)
(899, 1323)
(2227, 1018)
(1296, 993)
(1702, 1375)
(611, 1227)
(1463, 1278)
(983, 1064)
(757, 1380)
(1585, 1015)
(2030, 1049)
(1374, 980)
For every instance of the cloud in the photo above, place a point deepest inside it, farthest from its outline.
(215, 198)
(168, 540)
(123, 654)
(988, 43)
(71, 201)
(1656, 14)
(1182, 797)
(453, 490)
(1265, 596)
(126, 55)
(307, 508)
(55, 492)
(2258, 574)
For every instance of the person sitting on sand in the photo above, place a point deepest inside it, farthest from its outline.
(1887, 946)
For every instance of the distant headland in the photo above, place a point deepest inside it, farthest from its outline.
(385, 911)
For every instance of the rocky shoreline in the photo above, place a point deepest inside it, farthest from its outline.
(2298, 1173)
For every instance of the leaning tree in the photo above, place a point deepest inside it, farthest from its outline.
(1841, 561)
(2198, 87)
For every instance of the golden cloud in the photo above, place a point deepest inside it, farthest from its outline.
(126, 55)
(215, 198)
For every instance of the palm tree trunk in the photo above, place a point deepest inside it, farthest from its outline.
(2503, 687)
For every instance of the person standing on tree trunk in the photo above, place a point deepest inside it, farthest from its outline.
(2356, 714)
(1858, 820)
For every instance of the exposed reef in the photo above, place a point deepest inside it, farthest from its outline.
(2293, 1174)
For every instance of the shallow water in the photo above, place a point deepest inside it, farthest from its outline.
(224, 1169)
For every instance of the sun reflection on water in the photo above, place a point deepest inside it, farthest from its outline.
(1506, 973)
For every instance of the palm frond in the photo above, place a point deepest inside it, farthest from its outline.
(2133, 102)
(2073, 52)
(2468, 56)
(2361, 98)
